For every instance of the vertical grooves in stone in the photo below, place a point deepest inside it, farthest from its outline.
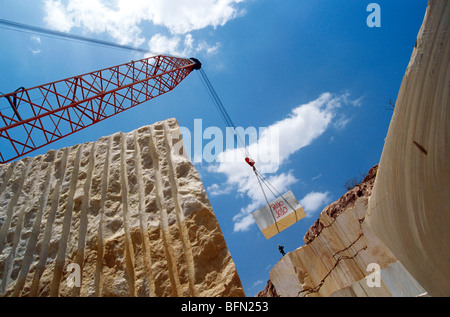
(129, 252)
(16, 187)
(164, 226)
(12, 213)
(31, 245)
(100, 239)
(5, 178)
(114, 208)
(180, 216)
(40, 267)
(10, 258)
(143, 219)
(61, 255)
(84, 217)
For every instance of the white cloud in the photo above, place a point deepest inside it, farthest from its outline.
(313, 201)
(341, 122)
(124, 20)
(175, 45)
(216, 190)
(162, 43)
(57, 16)
(300, 128)
(259, 282)
(35, 52)
(181, 17)
(36, 40)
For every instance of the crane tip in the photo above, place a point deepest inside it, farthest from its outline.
(197, 65)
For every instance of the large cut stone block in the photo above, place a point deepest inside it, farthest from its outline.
(126, 215)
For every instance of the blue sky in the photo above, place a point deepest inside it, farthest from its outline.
(314, 69)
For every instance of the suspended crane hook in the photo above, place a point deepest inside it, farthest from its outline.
(250, 162)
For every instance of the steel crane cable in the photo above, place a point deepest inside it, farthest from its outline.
(6, 24)
(265, 196)
(262, 180)
(221, 108)
(267, 183)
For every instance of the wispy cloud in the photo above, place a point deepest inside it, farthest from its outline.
(313, 201)
(34, 52)
(216, 190)
(259, 282)
(179, 46)
(36, 40)
(298, 129)
(124, 20)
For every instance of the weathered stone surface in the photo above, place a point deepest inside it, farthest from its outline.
(409, 207)
(269, 291)
(339, 252)
(332, 211)
(395, 281)
(129, 210)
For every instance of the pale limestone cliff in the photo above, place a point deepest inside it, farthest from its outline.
(338, 255)
(129, 210)
(410, 206)
(398, 220)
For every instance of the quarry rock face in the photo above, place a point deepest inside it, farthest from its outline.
(269, 291)
(410, 205)
(126, 215)
(342, 256)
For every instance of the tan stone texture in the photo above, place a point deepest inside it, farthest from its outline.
(339, 252)
(129, 209)
(410, 206)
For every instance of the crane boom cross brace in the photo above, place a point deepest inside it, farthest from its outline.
(35, 117)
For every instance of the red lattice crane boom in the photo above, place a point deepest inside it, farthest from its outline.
(35, 117)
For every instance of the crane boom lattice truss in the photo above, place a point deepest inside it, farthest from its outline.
(35, 117)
